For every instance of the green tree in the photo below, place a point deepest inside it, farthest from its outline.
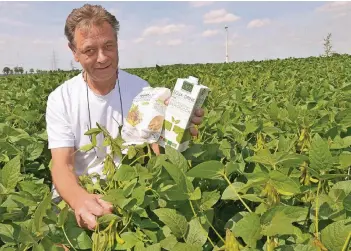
(6, 70)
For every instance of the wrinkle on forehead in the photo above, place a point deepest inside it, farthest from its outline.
(95, 32)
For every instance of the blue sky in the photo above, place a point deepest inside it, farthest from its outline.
(178, 32)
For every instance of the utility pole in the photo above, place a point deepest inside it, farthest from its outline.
(226, 44)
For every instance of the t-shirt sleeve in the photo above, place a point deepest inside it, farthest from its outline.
(58, 125)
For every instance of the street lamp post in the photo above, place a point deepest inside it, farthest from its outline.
(226, 44)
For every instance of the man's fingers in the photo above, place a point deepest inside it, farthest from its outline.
(156, 148)
(199, 112)
(105, 205)
(89, 220)
(86, 220)
(95, 208)
(196, 120)
(193, 131)
(167, 101)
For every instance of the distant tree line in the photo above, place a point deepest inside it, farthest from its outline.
(20, 70)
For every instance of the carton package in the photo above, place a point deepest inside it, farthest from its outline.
(187, 96)
(145, 117)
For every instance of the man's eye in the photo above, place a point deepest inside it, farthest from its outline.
(90, 51)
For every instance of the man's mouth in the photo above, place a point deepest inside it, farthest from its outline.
(102, 68)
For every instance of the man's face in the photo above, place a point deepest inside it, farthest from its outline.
(97, 51)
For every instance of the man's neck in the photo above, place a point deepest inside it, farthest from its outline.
(100, 88)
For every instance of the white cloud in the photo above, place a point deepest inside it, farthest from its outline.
(210, 33)
(219, 16)
(174, 42)
(159, 43)
(162, 30)
(258, 23)
(138, 40)
(11, 22)
(2, 42)
(198, 4)
(334, 7)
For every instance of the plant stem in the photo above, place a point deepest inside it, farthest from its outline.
(236, 193)
(143, 156)
(220, 237)
(317, 208)
(130, 218)
(192, 208)
(64, 232)
(344, 248)
(208, 237)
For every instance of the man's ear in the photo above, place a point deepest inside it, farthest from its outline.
(73, 49)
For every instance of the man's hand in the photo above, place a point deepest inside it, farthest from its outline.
(89, 206)
(86, 206)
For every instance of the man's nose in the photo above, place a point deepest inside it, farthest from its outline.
(101, 56)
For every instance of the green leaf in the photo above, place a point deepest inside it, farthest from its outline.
(208, 170)
(139, 194)
(7, 233)
(176, 158)
(116, 197)
(232, 167)
(294, 213)
(320, 156)
(87, 147)
(93, 131)
(263, 157)
(125, 173)
(249, 229)
(40, 212)
(347, 203)
(130, 239)
(154, 247)
(169, 242)
(180, 246)
(335, 234)
(209, 199)
(280, 225)
(184, 186)
(345, 160)
(62, 216)
(196, 235)
(196, 195)
(174, 220)
(10, 173)
(283, 184)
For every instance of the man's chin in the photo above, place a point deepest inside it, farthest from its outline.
(105, 74)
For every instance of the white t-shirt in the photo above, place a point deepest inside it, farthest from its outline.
(67, 117)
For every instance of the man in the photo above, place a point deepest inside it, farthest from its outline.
(102, 94)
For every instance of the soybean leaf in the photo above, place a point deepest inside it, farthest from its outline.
(249, 229)
(209, 170)
(174, 220)
(335, 234)
(320, 156)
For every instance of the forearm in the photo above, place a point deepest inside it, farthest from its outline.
(66, 183)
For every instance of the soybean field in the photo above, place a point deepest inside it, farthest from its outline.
(269, 170)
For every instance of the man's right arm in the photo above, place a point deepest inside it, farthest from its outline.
(85, 205)
(63, 176)
(61, 142)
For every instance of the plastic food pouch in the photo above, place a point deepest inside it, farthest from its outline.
(145, 117)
